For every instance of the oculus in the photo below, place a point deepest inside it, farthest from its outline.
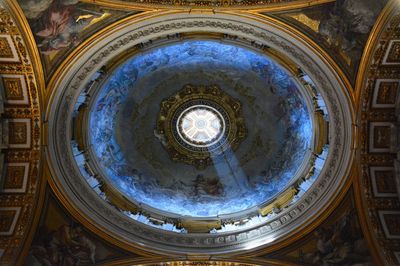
(107, 156)
(239, 117)
(199, 123)
(140, 154)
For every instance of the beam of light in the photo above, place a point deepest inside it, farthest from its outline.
(230, 172)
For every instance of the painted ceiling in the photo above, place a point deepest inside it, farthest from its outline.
(123, 119)
(359, 39)
(341, 27)
(60, 26)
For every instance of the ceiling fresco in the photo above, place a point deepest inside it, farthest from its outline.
(341, 28)
(112, 156)
(61, 240)
(190, 137)
(60, 26)
(338, 241)
(123, 119)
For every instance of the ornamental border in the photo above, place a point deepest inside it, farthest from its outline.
(66, 172)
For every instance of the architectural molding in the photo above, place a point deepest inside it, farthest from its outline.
(255, 6)
(22, 185)
(377, 92)
(93, 210)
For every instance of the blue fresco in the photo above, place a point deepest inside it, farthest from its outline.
(234, 187)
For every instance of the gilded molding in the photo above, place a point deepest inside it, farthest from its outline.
(220, 5)
(372, 118)
(26, 33)
(369, 49)
(230, 109)
(356, 96)
(281, 202)
(24, 132)
(207, 24)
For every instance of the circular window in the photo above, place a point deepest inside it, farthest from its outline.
(197, 124)
(201, 126)
(213, 141)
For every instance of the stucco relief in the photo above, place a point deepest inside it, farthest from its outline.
(330, 175)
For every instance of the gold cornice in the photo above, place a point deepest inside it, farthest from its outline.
(323, 132)
(44, 175)
(290, 6)
(282, 201)
(364, 219)
(256, 8)
(312, 222)
(362, 209)
(30, 43)
(239, 261)
(369, 48)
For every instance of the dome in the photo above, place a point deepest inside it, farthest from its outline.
(203, 140)
(253, 127)
(199, 132)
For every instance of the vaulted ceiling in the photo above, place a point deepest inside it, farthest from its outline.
(307, 92)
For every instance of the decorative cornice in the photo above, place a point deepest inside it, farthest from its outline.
(370, 46)
(230, 110)
(297, 216)
(25, 158)
(199, 5)
(373, 73)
